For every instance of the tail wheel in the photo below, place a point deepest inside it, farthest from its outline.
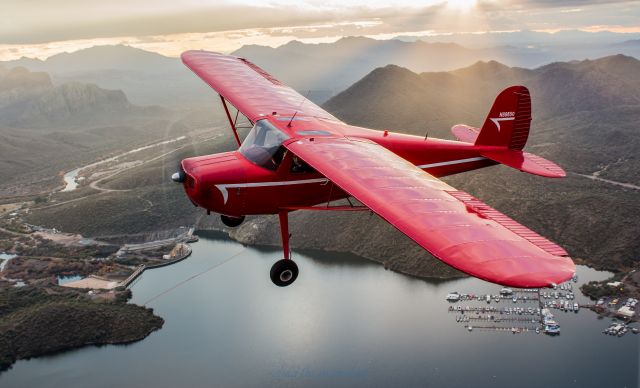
(284, 272)
(232, 222)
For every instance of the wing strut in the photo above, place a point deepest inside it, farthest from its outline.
(233, 126)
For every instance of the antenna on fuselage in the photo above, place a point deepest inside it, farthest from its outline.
(426, 135)
(292, 117)
(304, 98)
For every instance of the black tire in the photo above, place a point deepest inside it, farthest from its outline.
(284, 272)
(232, 222)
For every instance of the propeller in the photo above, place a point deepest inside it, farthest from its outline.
(178, 176)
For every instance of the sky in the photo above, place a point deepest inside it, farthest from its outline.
(41, 28)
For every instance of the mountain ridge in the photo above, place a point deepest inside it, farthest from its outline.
(46, 127)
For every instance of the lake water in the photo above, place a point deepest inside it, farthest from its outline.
(344, 322)
(4, 259)
(70, 180)
(68, 279)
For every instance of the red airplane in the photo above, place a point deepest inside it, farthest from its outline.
(297, 156)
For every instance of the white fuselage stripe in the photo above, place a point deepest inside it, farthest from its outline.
(450, 162)
(225, 193)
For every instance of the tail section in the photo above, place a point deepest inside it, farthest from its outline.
(509, 120)
(507, 127)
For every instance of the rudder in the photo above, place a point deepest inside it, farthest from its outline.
(509, 120)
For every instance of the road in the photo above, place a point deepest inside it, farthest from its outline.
(621, 184)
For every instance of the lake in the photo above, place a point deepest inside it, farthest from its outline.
(70, 180)
(345, 322)
(5, 257)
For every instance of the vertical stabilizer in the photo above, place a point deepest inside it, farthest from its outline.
(509, 120)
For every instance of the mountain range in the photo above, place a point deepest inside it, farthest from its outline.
(527, 38)
(147, 78)
(321, 70)
(46, 128)
(331, 67)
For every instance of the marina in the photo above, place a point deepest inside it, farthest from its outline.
(524, 310)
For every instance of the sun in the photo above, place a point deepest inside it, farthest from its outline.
(461, 5)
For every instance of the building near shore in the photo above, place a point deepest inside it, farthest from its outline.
(93, 282)
(626, 311)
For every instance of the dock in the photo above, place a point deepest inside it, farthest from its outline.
(513, 310)
(180, 252)
(187, 237)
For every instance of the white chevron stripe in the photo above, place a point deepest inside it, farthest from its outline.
(225, 193)
(450, 162)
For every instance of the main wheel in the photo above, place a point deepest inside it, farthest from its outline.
(284, 272)
(231, 222)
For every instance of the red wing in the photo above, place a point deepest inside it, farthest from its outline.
(249, 88)
(454, 226)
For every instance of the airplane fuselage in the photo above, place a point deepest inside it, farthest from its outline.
(233, 184)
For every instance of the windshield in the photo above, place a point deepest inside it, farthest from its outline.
(263, 145)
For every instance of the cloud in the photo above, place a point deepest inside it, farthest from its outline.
(168, 26)
(550, 3)
(71, 19)
(40, 21)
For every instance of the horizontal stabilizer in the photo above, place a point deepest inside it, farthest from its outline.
(526, 162)
(465, 133)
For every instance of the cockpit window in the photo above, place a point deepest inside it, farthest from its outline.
(263, 145)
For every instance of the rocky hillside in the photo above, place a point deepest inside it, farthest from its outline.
(18, 82)
(29, 99)
(35, 322)
(46, 128)
(147, 78)
(80, 102)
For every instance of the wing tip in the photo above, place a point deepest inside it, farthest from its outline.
(559, 273)
(190, 54)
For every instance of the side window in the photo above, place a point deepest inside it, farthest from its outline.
(299, 166)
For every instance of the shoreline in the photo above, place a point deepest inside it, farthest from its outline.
(143, 267)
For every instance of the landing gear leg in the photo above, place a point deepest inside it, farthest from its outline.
(285, 271)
